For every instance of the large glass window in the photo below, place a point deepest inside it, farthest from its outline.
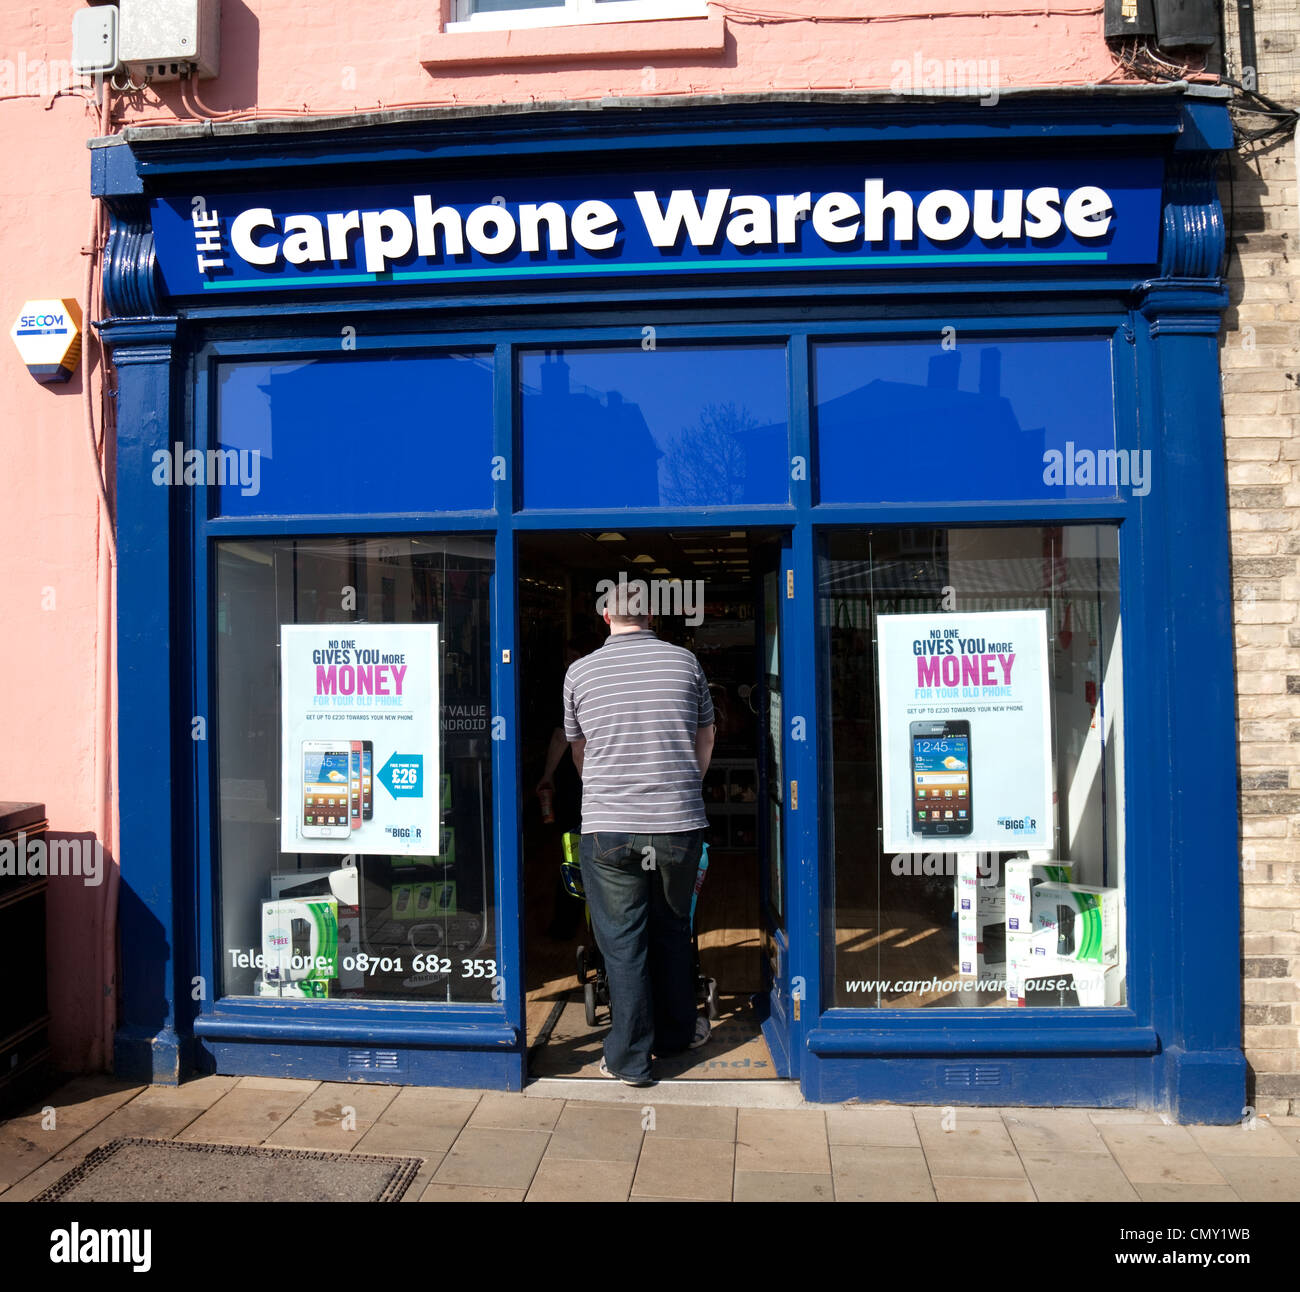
(352, 434)
(974, 691)
(968, 419)
(345, 921)
(671, 426)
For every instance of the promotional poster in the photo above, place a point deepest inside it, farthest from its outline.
(359, 739)
(965, 731)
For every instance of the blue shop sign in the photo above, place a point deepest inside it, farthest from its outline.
(989, 216)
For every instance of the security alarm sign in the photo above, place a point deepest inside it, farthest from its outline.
(48, 336)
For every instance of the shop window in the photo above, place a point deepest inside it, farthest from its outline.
(969, 419)
(974, 767)
(667, 426)
(355, 434)
(354, 838)
(496, 14)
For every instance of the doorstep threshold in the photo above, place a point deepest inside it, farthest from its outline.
(715, 1092)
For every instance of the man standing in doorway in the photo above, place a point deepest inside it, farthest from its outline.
(639, 719)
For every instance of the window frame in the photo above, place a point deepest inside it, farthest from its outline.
(572, 13)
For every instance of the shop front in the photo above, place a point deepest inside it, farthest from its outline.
(907, 423)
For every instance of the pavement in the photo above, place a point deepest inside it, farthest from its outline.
(571, 1141)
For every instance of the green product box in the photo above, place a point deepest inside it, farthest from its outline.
(1085, 921)
(444, 897)
(300, 947)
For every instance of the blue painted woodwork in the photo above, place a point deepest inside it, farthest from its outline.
(1176, 1045)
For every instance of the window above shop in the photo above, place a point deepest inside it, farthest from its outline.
(495, 15)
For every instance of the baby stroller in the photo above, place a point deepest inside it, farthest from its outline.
(591, 964)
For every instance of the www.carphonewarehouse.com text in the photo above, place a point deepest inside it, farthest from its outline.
(908, 985)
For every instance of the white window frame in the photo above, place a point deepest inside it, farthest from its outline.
(573, 13)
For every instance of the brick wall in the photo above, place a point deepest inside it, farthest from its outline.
(1261, 407)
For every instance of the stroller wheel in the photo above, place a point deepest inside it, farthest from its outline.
(580, 960)
(589, 1002)
(713, 1000)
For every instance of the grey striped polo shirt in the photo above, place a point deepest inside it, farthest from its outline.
(638, 702)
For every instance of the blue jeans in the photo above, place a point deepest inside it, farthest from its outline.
(639, 890)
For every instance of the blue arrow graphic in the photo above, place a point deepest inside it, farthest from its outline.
(403, 776)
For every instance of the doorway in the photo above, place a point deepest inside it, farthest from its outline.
(706, 590)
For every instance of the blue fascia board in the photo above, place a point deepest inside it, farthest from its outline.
(1205, 126)
(162, 154)
(114, 171)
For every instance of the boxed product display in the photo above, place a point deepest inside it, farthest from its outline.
(1022, 876)
(979, 905)
(300, 939)
(1085, 921)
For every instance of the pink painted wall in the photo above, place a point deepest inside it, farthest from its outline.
(56, 703)
(286, 54)
(51, 577)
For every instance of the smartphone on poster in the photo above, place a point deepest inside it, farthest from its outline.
(942, 799)
(354, 786)
(367, 780)
(325, 784)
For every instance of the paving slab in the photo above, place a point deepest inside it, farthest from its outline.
(1166, 1192)
(1126, 1117)
(785, 1140)
(469, 1193)
(597, 1133)
(1160, 1155)
(282, 1085)
(874, 1173)
(499, 1111)
(493, 1159)
(334, 1117)
(246, 1115)
(416, 1190)
(1054, 1130)
(700, 1170)
(1262, 1179)
(783, 1186)
(413, 1124)
(570, 1180)
(884, 1127)
(983, 1149)
(675, 1121)
(1261, 1140)
(1077, 1177)
(653, 1144)
(199, 1092)
(961, 1188)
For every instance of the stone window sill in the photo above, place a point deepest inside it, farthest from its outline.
(586, 43)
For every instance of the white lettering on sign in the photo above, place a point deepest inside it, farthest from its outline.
(207, 236)
(378, 239)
